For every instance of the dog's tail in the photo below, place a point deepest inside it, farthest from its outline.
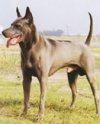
(88, 39)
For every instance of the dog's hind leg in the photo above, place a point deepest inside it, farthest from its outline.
(91, 79)
(72, 77)
(26, 90)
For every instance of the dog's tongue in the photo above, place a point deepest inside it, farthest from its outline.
(12, 41)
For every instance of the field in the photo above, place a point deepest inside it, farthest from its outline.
(58, 96)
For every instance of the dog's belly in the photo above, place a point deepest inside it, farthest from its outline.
(54, 69)
(70, 68)
(73, 60)
(64, 61)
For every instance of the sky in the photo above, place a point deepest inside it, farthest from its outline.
(69, 15)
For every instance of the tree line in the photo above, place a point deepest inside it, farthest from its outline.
(58, 32)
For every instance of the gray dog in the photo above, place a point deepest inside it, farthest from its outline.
(42, 57)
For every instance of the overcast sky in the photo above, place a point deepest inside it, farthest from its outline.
(68, 15)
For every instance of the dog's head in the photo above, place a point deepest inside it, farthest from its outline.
(21, 30)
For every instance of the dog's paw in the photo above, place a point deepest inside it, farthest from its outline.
(23, 114)
(70, 107)
(38, 118)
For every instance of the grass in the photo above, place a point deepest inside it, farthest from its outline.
(9, 58)
(57, 100)
(96, 50)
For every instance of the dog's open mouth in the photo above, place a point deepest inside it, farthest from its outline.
(13, 41)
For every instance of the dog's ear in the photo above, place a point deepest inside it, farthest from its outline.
(28, 15)
(18, 13)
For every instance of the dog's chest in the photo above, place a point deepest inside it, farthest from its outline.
(31, 61)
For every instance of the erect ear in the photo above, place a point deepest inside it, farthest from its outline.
(28, 15)
(18, 13)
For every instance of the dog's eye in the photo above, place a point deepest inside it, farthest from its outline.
(17, 26)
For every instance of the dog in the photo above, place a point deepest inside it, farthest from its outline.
(41, 57)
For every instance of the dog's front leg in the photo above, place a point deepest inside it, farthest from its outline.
(43, 87)
(26, 90)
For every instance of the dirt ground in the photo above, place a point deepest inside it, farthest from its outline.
(17, 76)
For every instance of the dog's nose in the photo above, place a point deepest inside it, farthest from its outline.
(4, 33)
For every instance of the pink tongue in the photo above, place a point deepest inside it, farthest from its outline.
(12, 41)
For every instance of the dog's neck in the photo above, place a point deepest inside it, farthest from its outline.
(30, 48)
(30, 40)
(33, 44)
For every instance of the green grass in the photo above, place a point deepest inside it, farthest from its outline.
(9, 58)
(96, 50)
(57, 101)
